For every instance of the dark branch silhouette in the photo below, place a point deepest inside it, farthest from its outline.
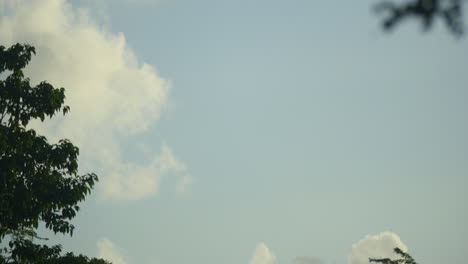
(426, 10)
(405, 258)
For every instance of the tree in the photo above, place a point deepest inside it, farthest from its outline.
(405, 258)
(39, 181)
(70, 258)
(427, 10)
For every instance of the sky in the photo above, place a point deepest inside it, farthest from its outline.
(255, 131)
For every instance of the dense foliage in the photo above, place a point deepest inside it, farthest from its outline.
(39, 181)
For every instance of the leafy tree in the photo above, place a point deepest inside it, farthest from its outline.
(404, 259)
(70, 258)
(427, 10)
(39, 181)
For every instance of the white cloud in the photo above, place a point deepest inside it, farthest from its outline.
(375, 246)
(262, 255)
(131, 181)
(108, 251)
(111, 94)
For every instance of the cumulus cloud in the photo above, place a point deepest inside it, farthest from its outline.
(111, 94)
(262, 255)
(375, 246)
(108, 251)
(131, 181)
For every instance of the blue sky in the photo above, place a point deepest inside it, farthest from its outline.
(256, 131)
